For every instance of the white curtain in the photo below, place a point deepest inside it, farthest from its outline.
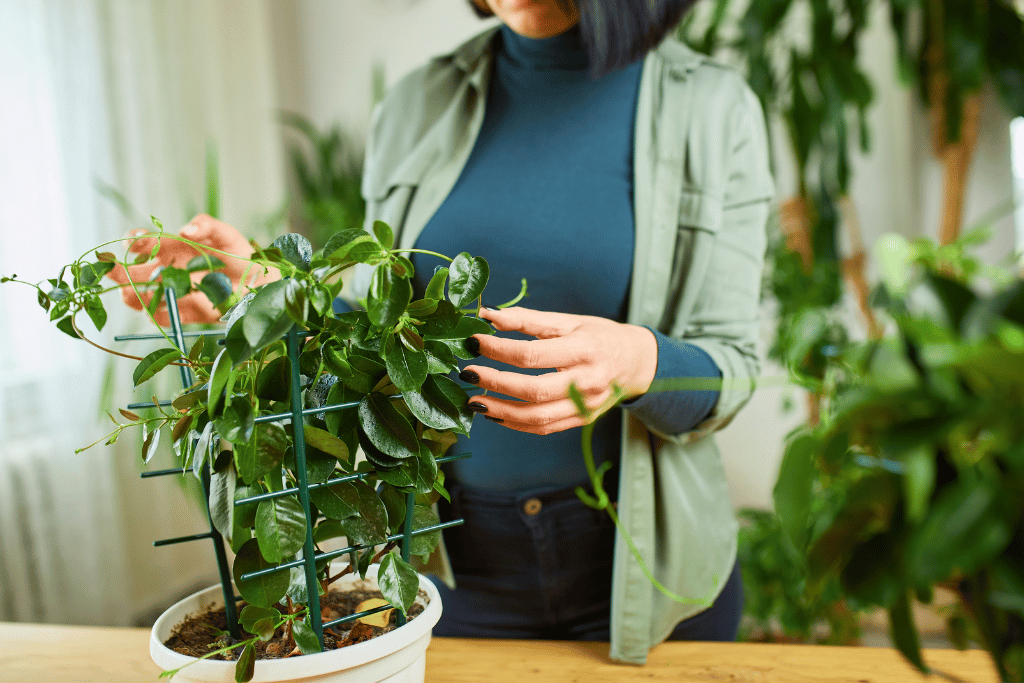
(131, 93)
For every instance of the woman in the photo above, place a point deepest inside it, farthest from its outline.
(626, 178)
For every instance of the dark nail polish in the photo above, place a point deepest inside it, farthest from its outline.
(491, 308)
(495, 419)
(476, 407)
(472, 345)
(469, 376)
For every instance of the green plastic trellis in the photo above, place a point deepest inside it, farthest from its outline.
(309, 556)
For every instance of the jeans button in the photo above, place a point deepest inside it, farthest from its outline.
(532, 506)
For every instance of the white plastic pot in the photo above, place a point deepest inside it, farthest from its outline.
(395, 657)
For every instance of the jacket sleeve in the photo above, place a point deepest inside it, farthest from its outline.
(724, 322)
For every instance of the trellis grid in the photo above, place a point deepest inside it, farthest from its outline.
(309, 556)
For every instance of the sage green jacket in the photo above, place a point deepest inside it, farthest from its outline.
(701, 191)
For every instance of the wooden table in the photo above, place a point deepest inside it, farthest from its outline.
(33, 653)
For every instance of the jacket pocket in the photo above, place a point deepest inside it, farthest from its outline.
(700, 218)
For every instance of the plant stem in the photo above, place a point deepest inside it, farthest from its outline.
(422, 251)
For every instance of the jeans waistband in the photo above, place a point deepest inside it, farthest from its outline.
(461, 493)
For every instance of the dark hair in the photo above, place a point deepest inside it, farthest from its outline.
(618, 32)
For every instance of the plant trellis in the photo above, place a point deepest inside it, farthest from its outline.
(309, 556)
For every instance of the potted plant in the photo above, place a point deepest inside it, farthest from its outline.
(919, 458)
(271, 418)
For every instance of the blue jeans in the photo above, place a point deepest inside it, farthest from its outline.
(538, 565)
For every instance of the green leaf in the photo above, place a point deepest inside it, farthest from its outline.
(91, 273)
(259, 621)
(218, 381)
(245, 515)
(963, 531)
(398, 582)
(150, 445)
(327, 529)
(154, 363)
(295, 301)
(222, 501)
(237, 421)
(387, 298)
(370, 525)
(451, 398)
(384, 234)
(319, 465)
(176, 279)
(394, 503)
(326, 442)
(468, 277)
(262, 453)
(424, 544)
(245, 667)
(266, 320)
(904, 633)
(344, 420)
(305, 637)
(217, 287)
(440, 359)
(295, 249)
(793, 490)
(262, 591)
(918, 481)
(280, 527)
(336, 501)
(406, 368)
(386, 428)
(431, 414)
(435, 288)
(274, 382)
(98, 314)
(203, 262)
(65, 326)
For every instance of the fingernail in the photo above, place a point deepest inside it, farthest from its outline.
(495, 419)
(469, 376)
(472, 345)
(189, 229)
(476, 407)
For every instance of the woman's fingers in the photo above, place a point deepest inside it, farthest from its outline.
(533, 388)
(540, 324)
(541, 416)
(559, 352)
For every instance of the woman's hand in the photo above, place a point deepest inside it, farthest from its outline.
(194, 308)
(592, 353)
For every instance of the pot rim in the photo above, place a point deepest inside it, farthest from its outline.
(292, 667)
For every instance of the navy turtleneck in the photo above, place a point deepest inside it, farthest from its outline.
(547, 194)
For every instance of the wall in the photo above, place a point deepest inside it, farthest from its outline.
(325, 52)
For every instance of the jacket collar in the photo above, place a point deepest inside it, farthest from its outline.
(474, 53)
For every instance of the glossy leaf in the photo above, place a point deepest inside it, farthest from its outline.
(384, 234)
(237, 421)
(274, 382)
(424, 544)
(222, 501)
(176, 279)
(150, 446)
(451, 398)
(394, 503)
(904, 633)
(407, 368)
(259, 621)
(387, 298)
(467, 279)
(398, 582)
(435, 288)
(370, 526)
(326, 442)
(295, 301)
(262, 453)
(218, 381)
(295, 249)
(154, 363)
(336, 501)
(280, 527)
(262, 591)
(386, 428)
(305, 637)
(245, 667)
(266, 320)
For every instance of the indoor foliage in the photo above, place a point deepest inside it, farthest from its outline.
(918, 462)
(391, 361)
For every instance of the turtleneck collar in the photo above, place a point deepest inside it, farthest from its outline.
(562, 52)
